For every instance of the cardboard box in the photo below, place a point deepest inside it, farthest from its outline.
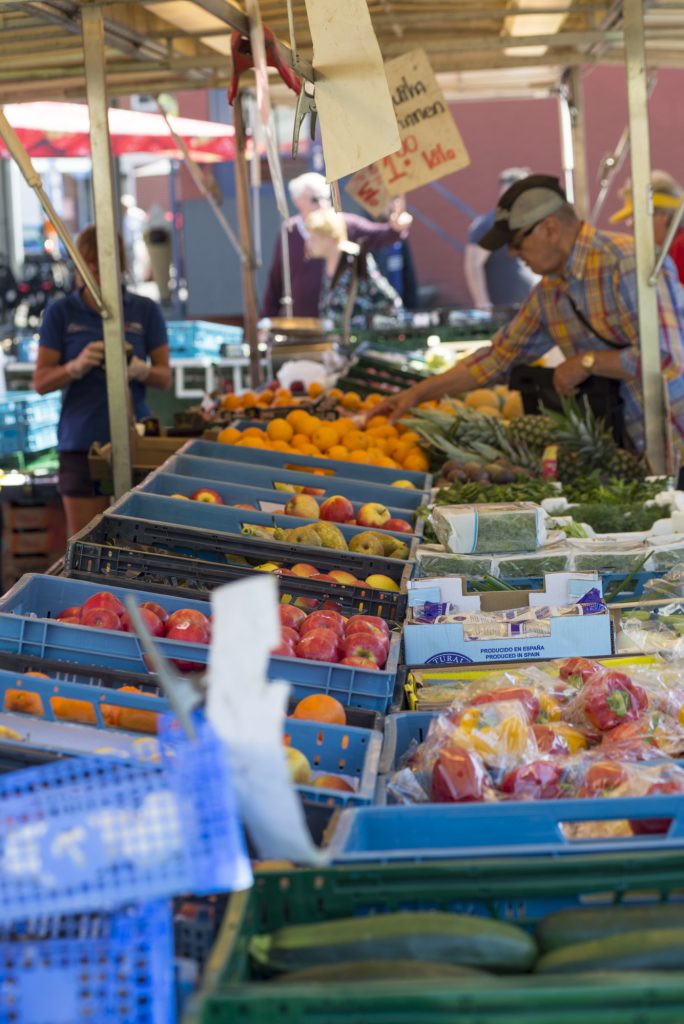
(445, 643)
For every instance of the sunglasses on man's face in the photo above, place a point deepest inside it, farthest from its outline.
(516, 243)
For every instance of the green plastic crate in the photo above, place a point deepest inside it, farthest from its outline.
(522, 891)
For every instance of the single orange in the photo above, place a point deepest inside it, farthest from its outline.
(351, 401)
(70, 710)
(359, 456)
(296, 418)
(279, 430)
(339, 452)
(298, 440)
(315, 389)
(252, 442)
(229, 435)
(266, 396)
(416, 460)
(284, 393)
(310, 425)
(355, 440)
(248, 398)
(411, 436)
(231, 402)
(254, 432)
(325, 437)
(24, 702)
(319, 707)
(377, 421)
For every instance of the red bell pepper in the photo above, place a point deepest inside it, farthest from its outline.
(602, 777)
(580, 668)
(539, 780)
(612, 698)
(520, 693)
(458, 777)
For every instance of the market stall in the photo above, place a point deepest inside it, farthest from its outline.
(472, 618)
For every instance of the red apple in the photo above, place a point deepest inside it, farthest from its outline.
(319, 645)
(355, 662)
(103, 599)
(366, 627)
(72, 612)
(289, 635)
(372, 514)
(285, 649)
(101, 618)
(364, 645)
(337, 509)
(373, 620)
(191, 632)
(72, 619)
(328, 619)
(182, 615)
(291, 616)
(303, 505)
(304, 569)
(398, 526)
(154, 624)
(156, 609)
(208, 495)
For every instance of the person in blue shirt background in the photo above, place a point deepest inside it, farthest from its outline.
(496, 280)
(71, 357)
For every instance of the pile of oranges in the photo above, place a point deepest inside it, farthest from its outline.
(272, 399)
(380, 443)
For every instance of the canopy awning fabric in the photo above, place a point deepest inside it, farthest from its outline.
(63, 130)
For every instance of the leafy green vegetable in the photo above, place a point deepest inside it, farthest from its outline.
(604, 517)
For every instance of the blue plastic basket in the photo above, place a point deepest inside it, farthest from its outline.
(441, 831)
(337, 750)
(169, 484)
(189, 338)
(399, 732)
(46, 637)
(608, 579)
(90, 969)
(84, 834)
(265, 477)
(328, 467)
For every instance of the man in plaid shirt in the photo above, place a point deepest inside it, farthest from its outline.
(586, 304)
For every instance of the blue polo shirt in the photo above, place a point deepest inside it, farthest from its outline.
(68, 326)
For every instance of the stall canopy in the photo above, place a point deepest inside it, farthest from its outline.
(63, 130)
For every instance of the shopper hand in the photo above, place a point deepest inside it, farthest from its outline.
(138, 369)
(396, 406)
(568, 375)
(87, 359)
(401, 221)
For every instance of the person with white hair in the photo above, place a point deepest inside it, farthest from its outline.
(667, 195)
(496, 280)
(310, 192)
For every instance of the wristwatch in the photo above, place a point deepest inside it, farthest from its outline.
(588, 361)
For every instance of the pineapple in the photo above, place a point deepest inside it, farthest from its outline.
(586, 445)
(533, 431)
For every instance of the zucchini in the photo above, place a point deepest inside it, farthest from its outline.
(381, 970)
(570, 926)
(660, 949)
(432, 936)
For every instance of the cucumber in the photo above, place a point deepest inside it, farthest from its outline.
(432, 936)
(381, 970)
(567, 927)
(660, 949)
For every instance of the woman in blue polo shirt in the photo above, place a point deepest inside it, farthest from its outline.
(71, 357)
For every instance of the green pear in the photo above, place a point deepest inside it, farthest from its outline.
(399, 549)
(304, 535)
(367, 543)
(331, 536)
(255, 530)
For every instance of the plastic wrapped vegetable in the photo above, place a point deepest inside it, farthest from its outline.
(607, 699)
(488, 529)
(459, 776)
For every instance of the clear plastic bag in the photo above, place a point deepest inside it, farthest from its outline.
(490, 529)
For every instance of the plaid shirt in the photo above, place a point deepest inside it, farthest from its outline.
(600, 275)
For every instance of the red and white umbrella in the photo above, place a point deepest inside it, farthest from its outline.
(63, 130)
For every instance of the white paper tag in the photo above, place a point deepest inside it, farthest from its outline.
(271, 506)
(247, 711)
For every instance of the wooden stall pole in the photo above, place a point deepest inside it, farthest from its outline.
(245, 228)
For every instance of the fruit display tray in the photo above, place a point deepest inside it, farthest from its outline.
(438, 831)
(400, 731)
(170, 484)
(28, 626)
(119, 551)
(408, 499)
(329, 467)
(340, 750)
(519, 891)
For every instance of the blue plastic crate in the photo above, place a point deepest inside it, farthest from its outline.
(230, 521)
(609, 580)
(189, 338)
(265, 478)
(39, 439)
(442, 831)
(337, 750)
(259, 457)
(399, 732)
(170, 484)
(12, 439)
(46, 637)
(93, 833)
(90, 969)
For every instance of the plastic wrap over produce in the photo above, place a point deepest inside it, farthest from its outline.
(572, 729)
(658, 629)
(487, 529)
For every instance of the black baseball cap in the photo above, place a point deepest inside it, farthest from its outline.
(525, 203)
